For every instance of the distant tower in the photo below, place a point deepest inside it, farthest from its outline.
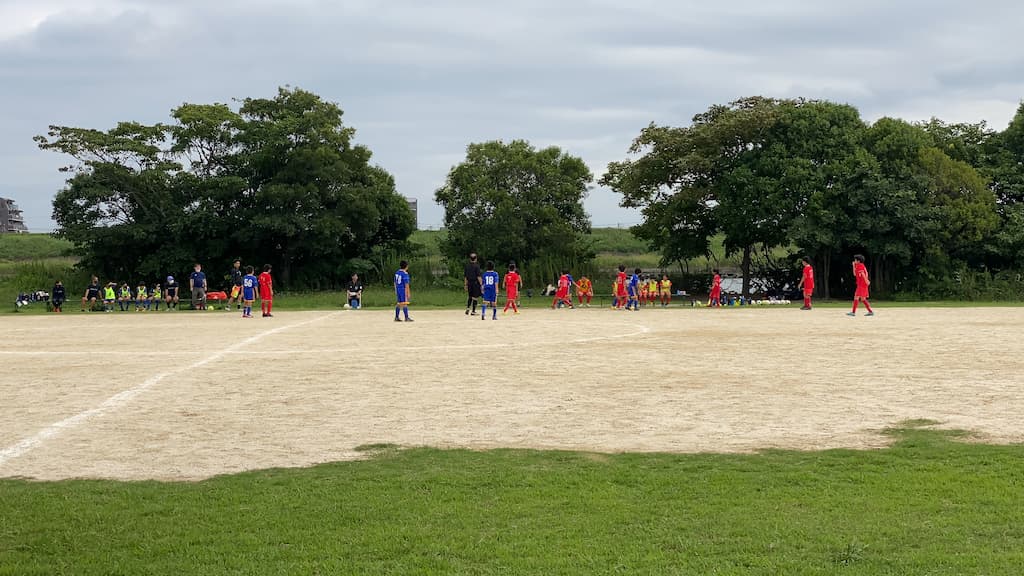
(11, 220)
(415, 213)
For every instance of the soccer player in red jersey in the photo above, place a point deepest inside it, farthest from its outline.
(266, 291)
(860, 273)
(512, 283)
(621, 293)
(807, 283)
(716, 290)
(562, 294)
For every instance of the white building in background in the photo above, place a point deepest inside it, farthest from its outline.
(415, 212)
(11, 220)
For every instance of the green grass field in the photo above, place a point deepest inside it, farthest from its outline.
(926, 505)
(21, 247)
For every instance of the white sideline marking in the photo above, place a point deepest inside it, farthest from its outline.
(121, 398)
(641, 330)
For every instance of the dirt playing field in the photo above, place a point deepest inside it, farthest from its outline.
(187, 395)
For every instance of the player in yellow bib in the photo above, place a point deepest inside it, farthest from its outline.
(141, 298)
(665, 288)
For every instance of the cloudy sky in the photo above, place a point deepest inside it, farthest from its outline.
(419, 80)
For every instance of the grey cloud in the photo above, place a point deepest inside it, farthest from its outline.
(421, 80)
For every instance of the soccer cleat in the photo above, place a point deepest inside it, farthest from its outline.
(870, 314)
(408, 319)
(467, 311)
(805, 307)
(397, 319)
(483, 317)
(851, 313)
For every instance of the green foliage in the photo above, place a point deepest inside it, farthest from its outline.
(29, 276)
(278, 181)
(812, 175)
(617, 240)
(16, 247)
(965, 285)
(511, 202)
(926, 505)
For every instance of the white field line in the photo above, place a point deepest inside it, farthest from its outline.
(121, 398)
(640, 330)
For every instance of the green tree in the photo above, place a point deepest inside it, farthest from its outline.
(674, 197)
(925, 209)
(726, 172)
(279, 180)
(819, 145)
(509, 201)
(1004, 168)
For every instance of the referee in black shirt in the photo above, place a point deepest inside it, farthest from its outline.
(474, 283)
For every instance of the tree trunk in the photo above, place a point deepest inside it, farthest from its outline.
(826, 275)
(286, 269)
(745, 268)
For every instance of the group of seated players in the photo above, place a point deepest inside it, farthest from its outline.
(628, 292)
(106, 296)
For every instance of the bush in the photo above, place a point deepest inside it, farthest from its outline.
(966, 285)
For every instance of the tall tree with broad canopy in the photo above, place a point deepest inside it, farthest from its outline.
(277, 181)
(723, 173)
(813, 175)
(512, 202)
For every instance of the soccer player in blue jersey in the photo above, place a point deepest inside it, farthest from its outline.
(634, 291)
(490, 285)
(402, 290)
(249, 285)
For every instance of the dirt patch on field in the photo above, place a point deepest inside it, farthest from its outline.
(189, 395)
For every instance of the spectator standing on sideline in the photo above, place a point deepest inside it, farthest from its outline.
(355, 293)
(235, 275)
(197, 282)
(474, 283)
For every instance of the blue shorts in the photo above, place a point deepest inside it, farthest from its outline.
(248, 294)
(400, 297)
(490, 296)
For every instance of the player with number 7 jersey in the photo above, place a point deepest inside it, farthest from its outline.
(402, 294)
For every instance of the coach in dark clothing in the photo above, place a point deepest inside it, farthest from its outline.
(355, 293)
(57, 296)
(473, 282)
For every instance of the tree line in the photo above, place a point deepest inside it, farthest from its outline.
(280, 180)
(928, 203)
